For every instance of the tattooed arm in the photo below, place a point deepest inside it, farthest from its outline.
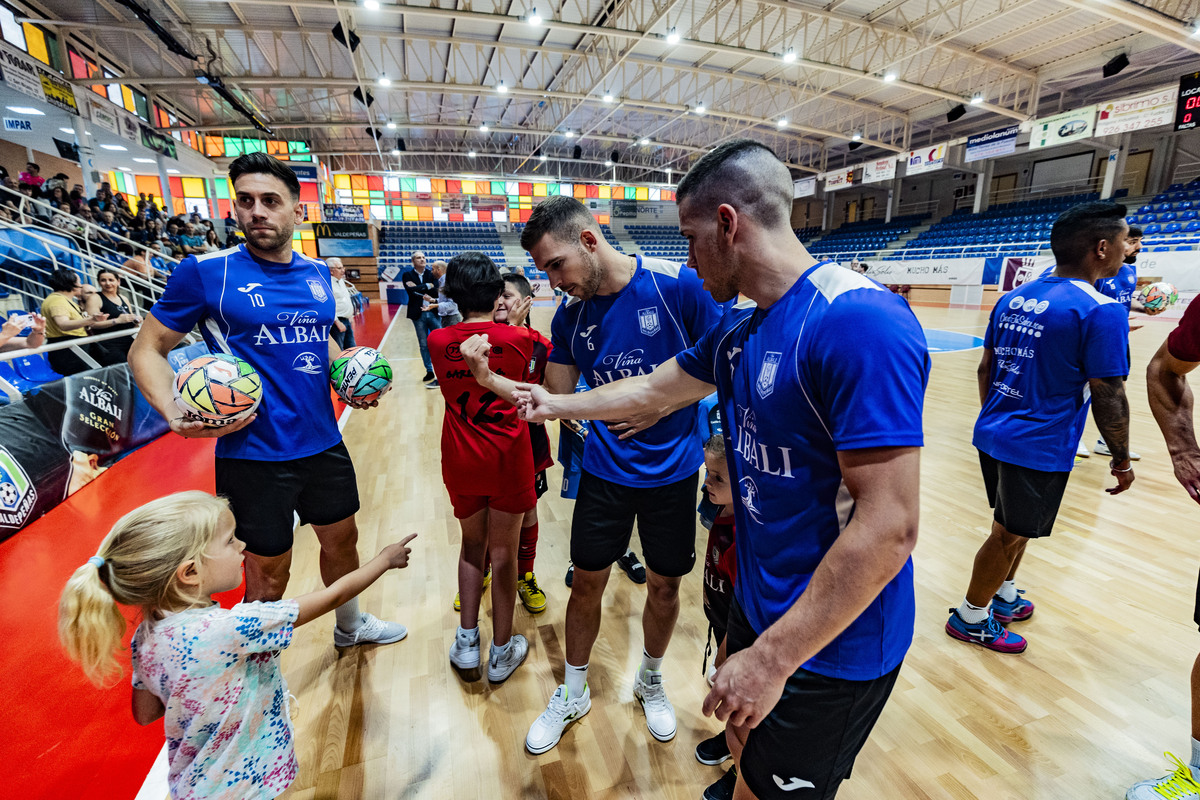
(1110, 409)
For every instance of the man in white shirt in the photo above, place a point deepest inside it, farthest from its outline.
(343, 330)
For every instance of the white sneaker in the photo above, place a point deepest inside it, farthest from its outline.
(660, 714)
(1082, 451)
(503, 661)
(547, 729)
(464, 653)
(1179, 785)
(372, 631)
(1102, 450)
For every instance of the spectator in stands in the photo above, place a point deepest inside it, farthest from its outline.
(121, 209)
(111, 223)
(59, 181)
(66, 321)
(211, 243)
(110, 303)
(231, 229)
(343, 291)
(55, 196)
(78, 198)
(157, 262)
(419, 282)
(102, 201)
(9, 340)
(30, 213)
(67, 222)
(33, 176)
(191, 242)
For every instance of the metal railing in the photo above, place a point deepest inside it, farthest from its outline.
(14, 394)
(1046, 190)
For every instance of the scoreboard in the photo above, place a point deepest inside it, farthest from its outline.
(1187, 109)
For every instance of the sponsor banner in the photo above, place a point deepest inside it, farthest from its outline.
(1182, 269)
(304, 172)
(926, 159)
(624, 209)
(21, 72)
(1018, 271)
(931, 272)
(343, 239)
(58, 92)
(882, 169)
(129, 127)
(333, 212)
(65, 436)
(992, 144)
(1137, 113)
(158, 142)
(12, 125)
(1187, 106)
(842, 179)
(103, 115)
(1064, 128)
(805, 187)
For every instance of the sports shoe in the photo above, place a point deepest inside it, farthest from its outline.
(1082, 451)
(487, 578)
(570, 575)
(1179, 785)
(433, 384)
(660, 714)
(713, 751)
(533, 598)
(547, 729)
(1101, 449)
(428, 376)
(464, 653)
(723, 788)
(372, 631)
(503, 661)
(633, 568)
(1016, 611)
(989, 633)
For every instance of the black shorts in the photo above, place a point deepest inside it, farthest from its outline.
(265, 495)
(1026, 500)
(1196, 613)
(666, 518)
(813, 734)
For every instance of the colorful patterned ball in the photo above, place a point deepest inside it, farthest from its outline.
(360, 375)
(1158, 295)
(218, 389)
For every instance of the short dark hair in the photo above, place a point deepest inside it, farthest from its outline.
(747, 175)
(1077, 230)
(63, 279)
(34, 165)
(473, 282)
(561, 216)
(263, 164)
(520, 281)
(1134, 232)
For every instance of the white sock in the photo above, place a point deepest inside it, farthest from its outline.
(576, 679)
(649, 663)
(471, 634)
(1195, 763)
(500, 649)
(1008, 591)
(348, 616)
(972, 615)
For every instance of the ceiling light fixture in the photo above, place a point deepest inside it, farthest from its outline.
(789, 56)
(699, 110)
(67, 130)
(483, 128)
(977, 99)
(391, 126)
(568, 133)
(672, 36)
(542, 157)
(470, 154)
(856, 137)
(644, 142)
(502, 87)
(781, 122)
(608, 163)
(608, 96)
(371, 5)
(384, 81)
(145, 160)
(395, 151)
(32, 112)
(535, 18)
(115, 147)
(172, 172)
(890, 76)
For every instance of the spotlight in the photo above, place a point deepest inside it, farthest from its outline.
(384, 81)
(644, 142)
(789, 56)
(890, 76)
(347, 39)
(470, 154)
(391, 126)
(976, 99)
(483, 128)
(502, 87)
(1118, 62)
(608, 96)
(781, 122)
(371, 5)
(368, 100)
(673, 36)
(856, 137)
(699, 110)
(608, 163)
(542, 157)
(395, 151)
(568, 133)
(956, 113)
(535, 18)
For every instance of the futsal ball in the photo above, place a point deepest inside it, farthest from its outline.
(218, 389)
(1158, 296)
(360, 375)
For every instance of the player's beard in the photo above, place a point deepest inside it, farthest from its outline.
(595, 275)
(269, 242)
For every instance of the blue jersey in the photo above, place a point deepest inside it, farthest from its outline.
(1047, 338)
(277, 318)
(798, 383)
(663, 311)
(1121, 287)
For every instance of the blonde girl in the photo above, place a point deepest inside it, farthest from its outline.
(211, 672)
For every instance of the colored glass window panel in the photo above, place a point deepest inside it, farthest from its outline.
(498, 187)
(425, 213)
(514, 215)
(605, 192)
(308, 192)
(358, 183)
(222, 187)
(643, 193)
(483, 216)
(11, 29)
(655, 194)
(255, 145)
(602, 219)
(147, 184)
(391, 184)
(439, 185)
(593, 192)
(375, 183)
(539, 190)
(176, 185)
(35, 42)
(341, 181)
(214, 146)
(468, 187)
(194, 187)
(275, 147)
(408, 184)
(424, 185)
(410, 213)
(525, 189)
(223, 208)
(525, 214)
(454, 187)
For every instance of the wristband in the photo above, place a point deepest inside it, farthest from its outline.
(1113, 466)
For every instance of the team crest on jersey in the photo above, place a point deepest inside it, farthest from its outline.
(766, 376)
(648, 321)
(307, 362)
(750, 498)
(318, 291)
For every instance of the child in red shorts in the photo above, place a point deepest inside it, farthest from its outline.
(487, 461)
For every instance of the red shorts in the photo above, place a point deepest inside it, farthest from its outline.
(466, 505)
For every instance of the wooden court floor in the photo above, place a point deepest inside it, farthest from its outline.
(1087, 710)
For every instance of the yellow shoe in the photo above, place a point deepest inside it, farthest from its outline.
(533, 598)
(487, 579)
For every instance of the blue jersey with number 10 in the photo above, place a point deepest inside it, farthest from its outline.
(277, 318)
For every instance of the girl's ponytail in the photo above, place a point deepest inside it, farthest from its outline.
(90, 626)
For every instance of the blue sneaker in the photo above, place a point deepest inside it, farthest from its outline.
(989, 634)
(1017, 610)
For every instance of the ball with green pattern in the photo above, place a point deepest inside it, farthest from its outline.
(360, 375)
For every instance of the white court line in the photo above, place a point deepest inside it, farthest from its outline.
(155, 786)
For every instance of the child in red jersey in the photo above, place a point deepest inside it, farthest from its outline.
(487, 461)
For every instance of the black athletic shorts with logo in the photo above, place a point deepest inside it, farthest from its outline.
(813, 734)
(666, 518)
(265, 495)
(1025, 500)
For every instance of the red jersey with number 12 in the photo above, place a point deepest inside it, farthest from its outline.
(485, 446)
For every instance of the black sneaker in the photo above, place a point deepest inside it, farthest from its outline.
(428, 376)
(633, 568)
(433, 384)
(570, 574)
(723, 788)
(714, 751)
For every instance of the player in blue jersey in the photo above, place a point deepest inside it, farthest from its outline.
(272, 307)
(626, 316)
(822, 439)
(1050, 344)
